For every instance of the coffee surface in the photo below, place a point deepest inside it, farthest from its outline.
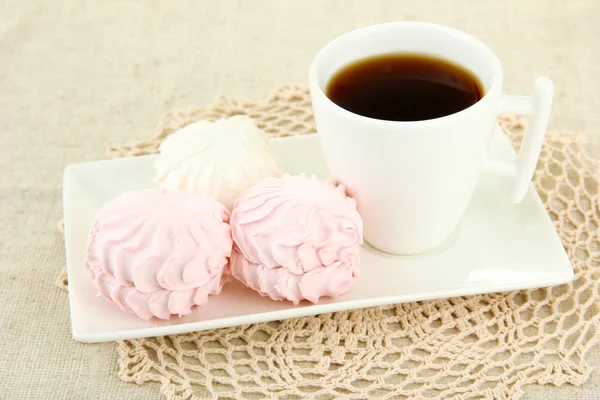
(404, 87)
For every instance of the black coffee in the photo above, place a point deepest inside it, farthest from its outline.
(404, 87)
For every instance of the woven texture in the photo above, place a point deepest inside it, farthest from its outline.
(486, 346)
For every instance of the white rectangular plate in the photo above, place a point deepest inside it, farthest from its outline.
(498, 247)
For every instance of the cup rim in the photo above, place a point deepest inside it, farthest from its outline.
(317, 90)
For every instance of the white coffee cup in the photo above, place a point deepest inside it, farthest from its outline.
(413, 180)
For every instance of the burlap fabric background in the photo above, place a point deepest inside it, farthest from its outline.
(77, 77)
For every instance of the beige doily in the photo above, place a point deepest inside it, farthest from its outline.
(485, 346)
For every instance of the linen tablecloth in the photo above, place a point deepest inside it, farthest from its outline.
(76, 77)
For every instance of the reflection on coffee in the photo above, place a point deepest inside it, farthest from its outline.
(404, 87)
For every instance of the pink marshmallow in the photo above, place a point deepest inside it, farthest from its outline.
(157, 253)
(296, 238)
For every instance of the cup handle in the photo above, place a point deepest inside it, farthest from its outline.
(522, 168)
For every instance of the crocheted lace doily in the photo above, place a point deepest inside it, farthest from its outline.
(485, 346)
